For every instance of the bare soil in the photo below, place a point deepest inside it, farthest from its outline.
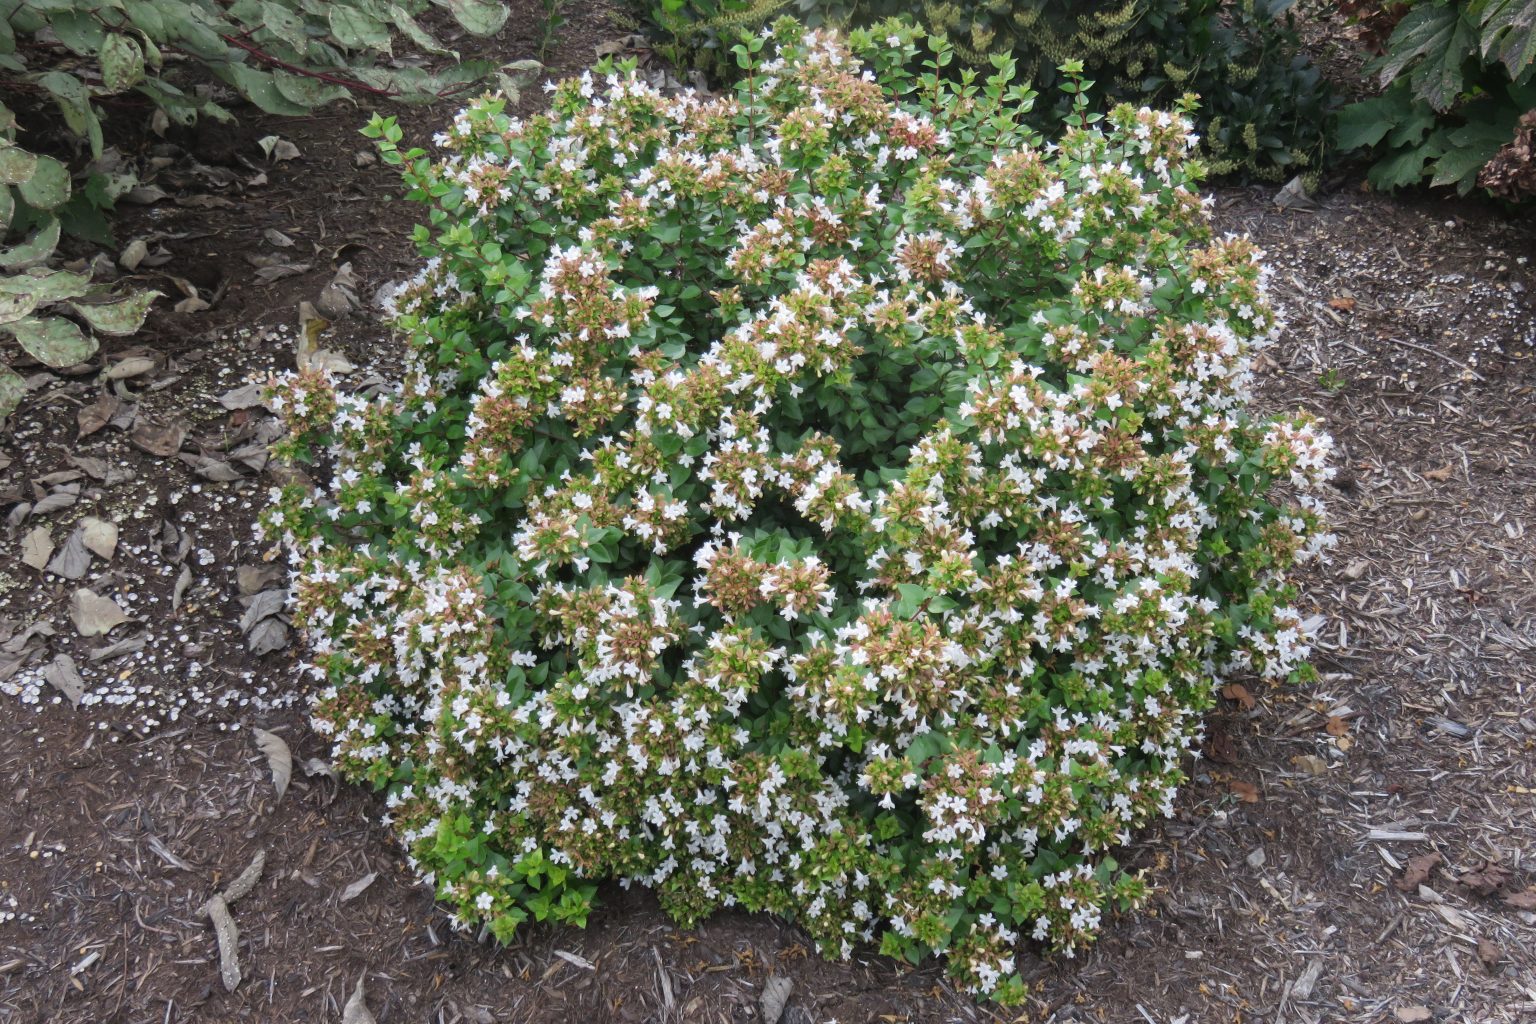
(1359, 850)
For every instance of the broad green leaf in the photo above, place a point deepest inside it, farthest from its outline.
(1472, 146)
(1402, 168)
(478, 17)
(260, 89)
(34, 250)
(1425, 30)
(14, 307)
(308, 92)
(74, 102)
(122, 63)
(1363, 124)
(7, 208)
(1509, 34)
(79, 30)
(12, 390)
(53, 340)
(413, 31)
(16, 165)
(117, 318)
(45, 285)
(48, 188)
(1438, 79)
(285, 25)
(357, 31)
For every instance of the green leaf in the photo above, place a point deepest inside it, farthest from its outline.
(286, 26)
(412, 30)
(14, 307)
(45, 285)
(16, 165)
(34, 250)
(12, 390)
(306, 91)
(1363, 124)
(122, 63)
(1423, 32)
(48, 188)
(1439, 79)
(1402, 168)
(355, 30)
(81, 31)
(478, 17)
(260, 88)
(1509, 34)
(53, 340)
(7, 208)
(117, 318)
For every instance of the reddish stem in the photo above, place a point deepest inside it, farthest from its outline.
(346, 83)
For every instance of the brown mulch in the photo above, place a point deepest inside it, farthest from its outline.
(1356, 850)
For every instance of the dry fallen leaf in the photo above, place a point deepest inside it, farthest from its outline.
(1342, 303)
(1337, 726)
(357, 888)
(1440, 475)
(133, 366)
(1412, 1014)
(163, 439)
(776, 991)
(1488, 879)
(279, 759)
(1244, 791)
(1238, 692)
(356, 1011)
(99, 536)
(65, 677)
(98, 414)
(94, 615)
(1310, 763)
(1521, 900)
(229, 942)
(1489, 954)
(37, 548)
(1418, 871)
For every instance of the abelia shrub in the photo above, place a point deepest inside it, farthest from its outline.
(829, 499)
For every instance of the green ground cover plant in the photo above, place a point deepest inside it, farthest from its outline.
(827, 499)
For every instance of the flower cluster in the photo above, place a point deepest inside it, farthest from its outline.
(832, 500)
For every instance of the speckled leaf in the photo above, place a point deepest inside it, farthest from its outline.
(14, 307)
(117, 318)
(34, 250)
(268, 635)
(122, 63)
(355, 30)
(479, 17)
(48, 188)
(279, 758)
(12, 390)
(43, 285)
(53, 340)
(16, 165)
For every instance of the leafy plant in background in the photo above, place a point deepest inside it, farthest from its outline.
(53, 315)
(86, 57)
(826, 499)
(1456, 77)
(1264, 107)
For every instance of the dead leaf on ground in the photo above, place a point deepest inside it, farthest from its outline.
(246, 396)
(1238, 692)
(163, 439)
(356, 1011)
(1413, 1014)
(1245, 791)
(252, 579)
(37, 548)
(73, 560)
(94, 615)
(99, 536)
(1439, 475)
(1336, 726)
(1487, 879)
(1219, 746)
(1342, 303)
(277, 238)
(1521, 900)
(278, 148)
(1418, 871)
(133, 366)
(357, 888)
(179, 590)
(279, 759)
(60, 498)
(1489, 954)
(1311, 764)
(63, 676)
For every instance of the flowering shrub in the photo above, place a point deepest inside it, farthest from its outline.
(827, 500)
